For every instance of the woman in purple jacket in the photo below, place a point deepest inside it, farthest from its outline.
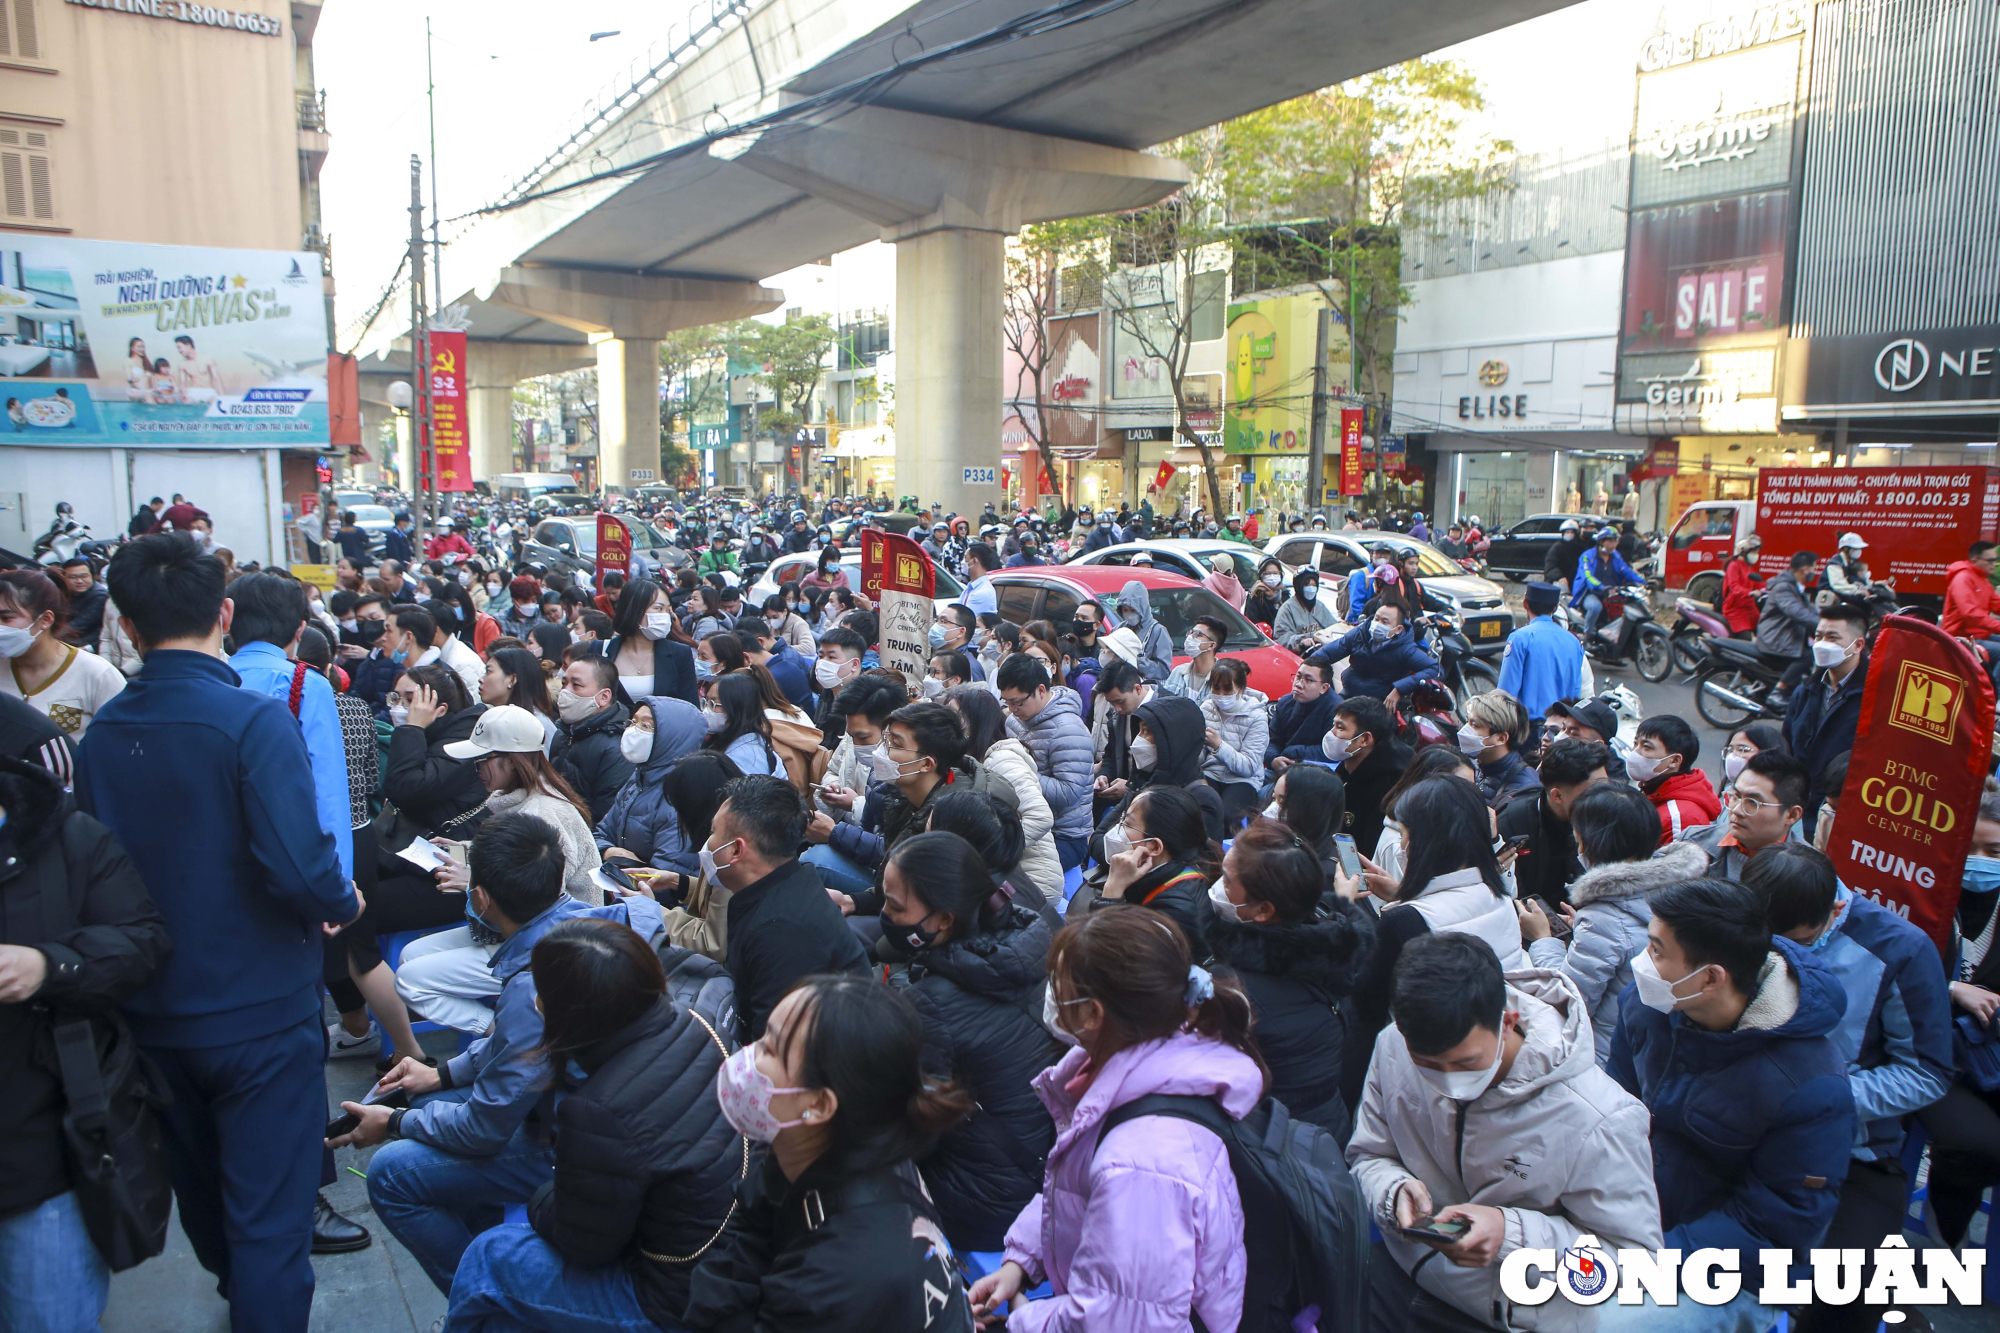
(1140, 1231)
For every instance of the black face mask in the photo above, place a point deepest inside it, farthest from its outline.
(906, 941)
(368, 631)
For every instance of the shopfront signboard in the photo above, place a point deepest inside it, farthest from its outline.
(1925, 369)
(1917, 521)
(1268, 349)
(1723, 392)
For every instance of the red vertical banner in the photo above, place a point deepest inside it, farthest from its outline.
(454, 454)
(1915, 775)
(1163, 476)
(897, 575)
(614, 547)
(1351, 472)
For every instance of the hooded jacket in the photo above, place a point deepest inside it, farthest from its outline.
(1008, 761)
(1245, 734)
(1556, 1145)
(1296, 976)
(1611, 918)
(1685, 801)
(588, 756)
(1299, 619)
(1060, 744)
(1400, 664)
(1752, 1128)
(1156, 646)
(1139, 1231)
(980, 999)
(640, 819)
(1788, 617)
(1971, 603)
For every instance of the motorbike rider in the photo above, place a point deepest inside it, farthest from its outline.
(719, 555)
(1786, 622)
(760, 550)
(1559, 566)
(1846, 576)
(1600, 572)
(800, 538)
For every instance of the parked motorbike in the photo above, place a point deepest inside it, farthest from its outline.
(65, 538)
(1627, 631)
(1463, 674)
(1699, 622)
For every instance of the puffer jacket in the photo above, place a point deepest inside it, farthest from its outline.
(1373, 668)
(1156, 646)
(1752, 1128)
(1556, 1145)
(640, 820)
(1970, 603)
(1611, 917)
(1177, 890)
(980, 999)
(1685, 801)
(1295, 977)
(1788, 618)
(427, 784)
(644, 1158)
(887, 817)
(1137, 1233)
(1244, 734)
(1060, 744)
(588, 756)
(1008, 761)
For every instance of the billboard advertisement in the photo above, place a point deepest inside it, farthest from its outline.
(1699, 275)
(898, 574)
(1072, 389)
(1715, 127)
(109, 342)
(1267, 381)
(1955, 367)
(1917, 521)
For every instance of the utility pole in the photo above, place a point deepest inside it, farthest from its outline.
(420, 359)
(430, 95)
(1316, 449)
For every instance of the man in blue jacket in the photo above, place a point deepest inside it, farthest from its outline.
(1299, 723)
(1731, 1038)
(479, 1136)
(209, 787)
(1600, 571)
(396, 543)
(1543, 662)
(1826, 707)
(1896, 1037)
(1385, 660)
(764, 648)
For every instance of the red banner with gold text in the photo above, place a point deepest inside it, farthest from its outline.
(448, 426)
(897, 575)
(1913, 781)
(614, 547)
(1352, 477)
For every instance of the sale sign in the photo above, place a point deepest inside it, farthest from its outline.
(1351, 473)
(897, 575)
(614, 547)
(1915, 776)
(448, 426)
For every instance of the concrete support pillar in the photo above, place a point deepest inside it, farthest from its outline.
(948, 391)
(490, 414)
(628, 410)
(374, 416)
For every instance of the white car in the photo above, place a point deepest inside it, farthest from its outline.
(1189, 557)
(795, 566)
(1477, 603)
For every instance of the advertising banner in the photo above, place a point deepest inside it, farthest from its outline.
(1916, 521)
(1267, 386)
(897, 575)
(1071, 393)
(454, 453)
(107, 342)
(1715, 127)
(614, 548)
(1707, 274)
(1352, 473)
(1915, 776)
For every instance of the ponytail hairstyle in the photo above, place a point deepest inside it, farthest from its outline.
(1137, 965)
(1277, 866)
(946, 874)
(863, 1042)
(993, 829)
(1172, 815)
(595, 977)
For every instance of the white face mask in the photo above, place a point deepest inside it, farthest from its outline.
(1655, 991)
(1218, 895)
(14, 641)
(1732, 766)
(492, 590)
(775, 621)
(1642, 767)
(1116, 841)
(933, 687)
(465, 578)
(1464, 1085)
(1272, 580)
(636, 745)
(1470, 743)
(1335, 747)
(1828, 654)
(658, 625)
(1194, 645)
(1381, 631)
(574, 707)
(1144, 754)
(886, 768)
(1272, 811)
(710, 867)
(399, 715)
(1228, 703)
(827, 673)
(1309, 593)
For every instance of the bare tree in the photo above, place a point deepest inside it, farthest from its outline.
(1032, 292)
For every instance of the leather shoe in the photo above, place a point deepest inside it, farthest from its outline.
(334, 1234)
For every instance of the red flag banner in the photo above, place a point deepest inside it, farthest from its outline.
(614, 547)
(897, 575)
(1351, 474)
(1914, 779)
(1163, 476)
(454, 455)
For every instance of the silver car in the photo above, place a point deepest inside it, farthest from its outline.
(1477, 603)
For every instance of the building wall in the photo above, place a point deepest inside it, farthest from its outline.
(158, 130)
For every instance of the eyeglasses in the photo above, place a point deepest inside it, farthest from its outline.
(1748, 804)
(1016, 705)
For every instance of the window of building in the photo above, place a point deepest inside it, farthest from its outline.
(1211, 294)
(20, 35)
(27, 184)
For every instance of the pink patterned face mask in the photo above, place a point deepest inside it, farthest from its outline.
(745, 1092)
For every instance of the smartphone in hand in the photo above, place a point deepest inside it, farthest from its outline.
(1433, 1232)
(347, 1122)
(1350, 859)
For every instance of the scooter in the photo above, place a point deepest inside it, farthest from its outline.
(1699, 621)
(64, 539)
(1735, 683)
(1627, 631)
(1463, 673)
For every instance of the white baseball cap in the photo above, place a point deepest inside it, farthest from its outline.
(507, 729)
(1123, 644)
(1848, 539)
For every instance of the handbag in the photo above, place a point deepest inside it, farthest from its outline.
(1977, 1052)
(111, 1127)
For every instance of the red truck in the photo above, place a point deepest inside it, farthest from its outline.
(1916, 521)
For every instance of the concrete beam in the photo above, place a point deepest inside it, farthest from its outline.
(626, 305)
(494, 368)
(911, 174)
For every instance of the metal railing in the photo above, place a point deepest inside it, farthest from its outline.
(321, 244)
(312, 111)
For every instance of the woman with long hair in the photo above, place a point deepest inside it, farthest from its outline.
(1161, 857)
(515, 676)
(58, 680)
(1148, 1197)
(826, 572)
(704, 613)
(745, 733)
(1433, 761)
(1008, 759)
(994, 830)
(1311, 801)
(836, 1086)
(507, 750)
(976, 967)
(653, 656)
(1261, 608)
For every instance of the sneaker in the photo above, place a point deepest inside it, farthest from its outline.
(344, 1045)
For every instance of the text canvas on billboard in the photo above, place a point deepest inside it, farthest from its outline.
(105, 342)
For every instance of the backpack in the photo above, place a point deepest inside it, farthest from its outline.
(1305, 1232)
(696, 981)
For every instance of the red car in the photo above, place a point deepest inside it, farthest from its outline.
(1053, 592)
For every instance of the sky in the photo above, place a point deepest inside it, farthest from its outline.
(509, 75)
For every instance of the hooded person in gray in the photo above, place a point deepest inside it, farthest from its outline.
(1156, 646)
(641, 821)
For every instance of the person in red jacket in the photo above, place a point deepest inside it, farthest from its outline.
(1970, 600)
(1740, 582)
(1662, 763)
(446, 542)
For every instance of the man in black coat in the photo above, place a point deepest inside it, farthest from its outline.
(781, 924)
(1300, 721)
(1826, 707)
(1546, 866)
(592, 724)
(1559, 565)
(1372, 760)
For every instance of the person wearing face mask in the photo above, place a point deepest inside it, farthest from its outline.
(1826, 707)
(1662, 765)
(1741, 584)
(862, 708)
(976, 966)
(1494, 728)
(1268, 596)
(1005, 761)
(1189, 680)
(644, 1163)
(782, 924)
(1365, 584)
(1385, 660)
(1729, 1035)
(1303, 620)
(651, 653)
(1139, 1222)
(1156, 646)
(1222, 581)
(642, 827)
(1370, 760)
(787, 623)
(58, 680)
(524, 607)
(1746, 742)
(1896, 1036)
(1546, 866)
(1484, 1106)
(1236, 736)
(953, 632)
(1158, 854)
(1294, 949)
(589, 747)
(477, 1132)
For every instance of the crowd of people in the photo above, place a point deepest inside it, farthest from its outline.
(792, 992)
